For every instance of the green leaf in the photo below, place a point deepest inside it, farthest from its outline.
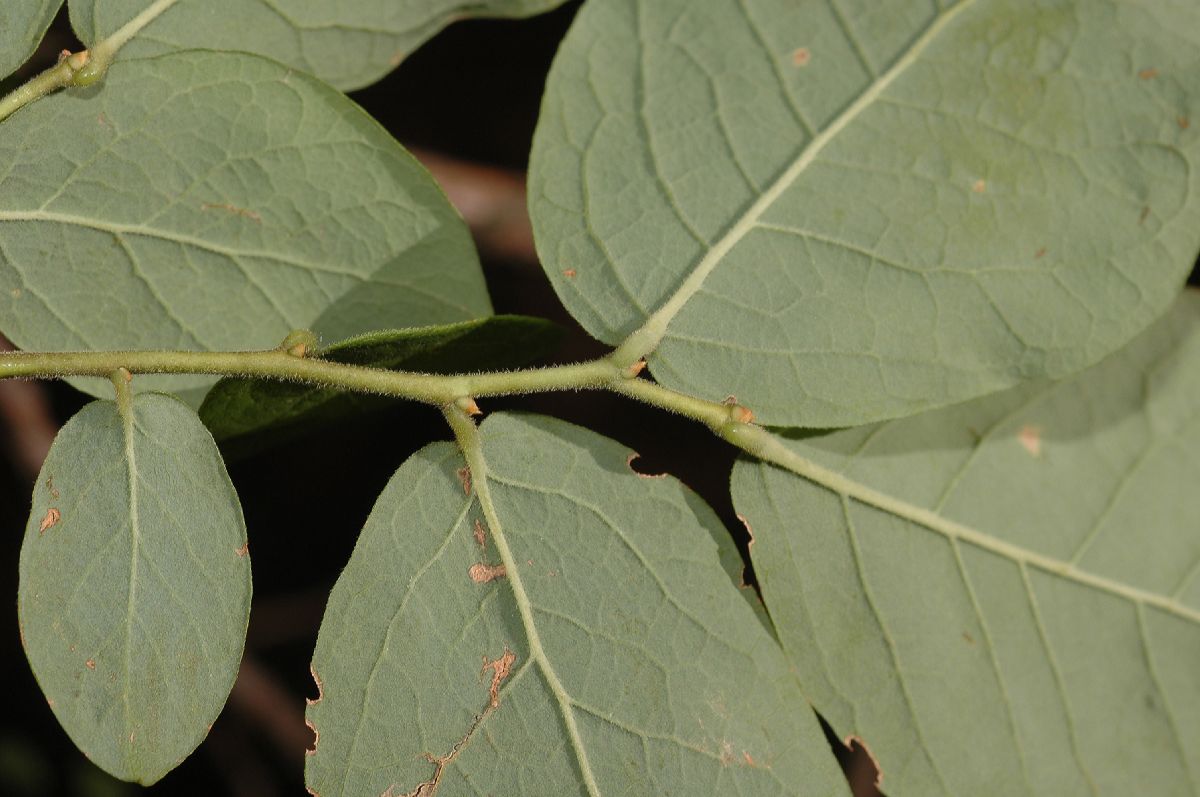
(841, 217)
(22, 26)
(347, 44)
(246, 409)
(1003, 597)
(135, 584)
(216, 202)
(633, 665)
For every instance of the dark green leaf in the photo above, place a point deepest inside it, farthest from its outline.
(244, 411)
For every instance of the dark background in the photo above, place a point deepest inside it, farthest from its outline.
(471, 94)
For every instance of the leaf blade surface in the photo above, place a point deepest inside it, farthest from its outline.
(135, 584)
(348, 45)
(1003, 594)
(645, 670)
(840, 217)
(218, 201)
(22, 26)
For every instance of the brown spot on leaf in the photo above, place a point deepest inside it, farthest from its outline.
(234, 209)
(50, 486)
(979, 186)
(1144, 215)
(501, 668)
(1030, 438)
(801, 56)
(482, 573)
(397, 58)
(245, 549)
(569, 273)
(1149, 73)
(464, 477)
(480, 534)
(966, 635)
(91, 664)
(50, 520)
(1040, 253)
(1183, 122)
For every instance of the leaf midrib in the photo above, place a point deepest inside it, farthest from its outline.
(125, 411)
(473, 451)
(650, 334)
(777, 453)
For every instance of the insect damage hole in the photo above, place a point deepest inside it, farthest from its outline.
(866, 776)
(633, 457)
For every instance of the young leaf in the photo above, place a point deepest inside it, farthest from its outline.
(218, 201)
(135, 584)
(347, 44)
(843, 217)
(616, 656)
(22, 25)
(246, 409)
(1003, 597)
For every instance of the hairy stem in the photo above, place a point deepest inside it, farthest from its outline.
(64, 73)
(82, 68)
(284, 365)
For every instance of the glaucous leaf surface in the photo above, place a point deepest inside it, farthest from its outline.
(245, 409)
(842, 212)
(22, 25)
(135, 584)
(347, 44)
(1003, 597)
(217, 201)
(643, 672)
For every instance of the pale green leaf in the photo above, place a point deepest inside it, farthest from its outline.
(22, 25)
(347, 44)
(218, 201)
(842, 211)
(135, 584)
(245, 410)
(1003, 597)
(638, 669)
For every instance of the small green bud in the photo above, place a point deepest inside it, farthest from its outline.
(88, 74)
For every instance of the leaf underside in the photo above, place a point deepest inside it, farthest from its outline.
(346, 44)
(655, 676)
(22, 26)
(1003, 597)
(217, 201)
(845, 212)
(135, 584)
